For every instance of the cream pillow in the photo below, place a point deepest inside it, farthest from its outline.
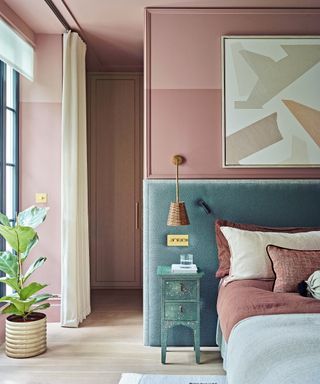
(249, 258)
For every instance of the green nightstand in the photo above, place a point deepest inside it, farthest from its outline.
(180, 305)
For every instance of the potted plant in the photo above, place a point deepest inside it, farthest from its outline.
(25, 326)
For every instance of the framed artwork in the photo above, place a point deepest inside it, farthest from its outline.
(271, 101)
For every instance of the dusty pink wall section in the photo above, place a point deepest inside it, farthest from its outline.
(47, 84)
(40, 172)
(183, 82)
(40, 147)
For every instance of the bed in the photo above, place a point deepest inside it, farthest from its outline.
(268, 333)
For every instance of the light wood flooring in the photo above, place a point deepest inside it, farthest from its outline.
(108, 343)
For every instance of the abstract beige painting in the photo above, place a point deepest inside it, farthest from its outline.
(271, 101)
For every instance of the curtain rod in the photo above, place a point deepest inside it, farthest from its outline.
(63, 21)
(58, 14)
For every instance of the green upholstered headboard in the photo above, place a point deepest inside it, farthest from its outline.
(264, 202)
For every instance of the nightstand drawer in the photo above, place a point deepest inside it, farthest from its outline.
(180, 290)
(180, 311)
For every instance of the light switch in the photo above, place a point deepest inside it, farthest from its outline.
(177, 240)
(41, 198)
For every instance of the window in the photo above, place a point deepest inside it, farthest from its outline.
(9, 146)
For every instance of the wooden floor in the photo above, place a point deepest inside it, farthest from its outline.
(108, 343)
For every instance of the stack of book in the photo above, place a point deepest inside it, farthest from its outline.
(178, 268)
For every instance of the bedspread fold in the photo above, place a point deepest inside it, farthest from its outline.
(242, 299)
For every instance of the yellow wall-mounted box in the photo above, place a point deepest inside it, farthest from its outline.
(41, 197)
(177, 240)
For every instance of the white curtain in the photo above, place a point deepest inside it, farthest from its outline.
(75, 289)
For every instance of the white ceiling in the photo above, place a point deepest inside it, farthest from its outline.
(113, 29)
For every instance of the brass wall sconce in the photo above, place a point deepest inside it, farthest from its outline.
(177, 212)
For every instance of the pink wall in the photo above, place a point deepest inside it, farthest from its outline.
(183, 85)
(40, 145)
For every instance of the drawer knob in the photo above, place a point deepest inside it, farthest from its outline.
(181, 308)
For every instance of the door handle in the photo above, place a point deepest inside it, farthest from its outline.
(137, 215)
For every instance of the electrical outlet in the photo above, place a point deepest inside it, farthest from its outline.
(177, 240)
(41, 198)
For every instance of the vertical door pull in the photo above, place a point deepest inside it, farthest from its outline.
(137, 215)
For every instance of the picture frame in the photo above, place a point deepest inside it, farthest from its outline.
(271, 101)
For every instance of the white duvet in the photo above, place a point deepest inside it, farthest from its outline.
(275, 349)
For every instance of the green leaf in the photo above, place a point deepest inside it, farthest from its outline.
(21, 305)
(4, 220)
(12, 282)
(34, 266)
(30, 289)
(18, 237)
(32, 243)
(9, 264)
(12, 309)
(10, 236)
(25, 236)
(41, 306)
(43, 297)
(32, 217)
(28, 305)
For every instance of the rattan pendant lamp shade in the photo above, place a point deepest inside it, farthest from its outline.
(177, 212)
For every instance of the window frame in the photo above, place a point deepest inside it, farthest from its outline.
(3, 160)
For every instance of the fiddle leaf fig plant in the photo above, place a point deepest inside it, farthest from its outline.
(22, 237)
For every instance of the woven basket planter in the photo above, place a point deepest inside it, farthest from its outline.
(26, 338)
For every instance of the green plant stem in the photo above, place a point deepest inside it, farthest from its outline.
(20, 271)
(21, 277)
(19, 257)
(27, 314)
(20, 265)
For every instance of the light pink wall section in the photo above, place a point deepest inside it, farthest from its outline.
(40, 172)
(47, 85)
(183, 85)
(40, 146)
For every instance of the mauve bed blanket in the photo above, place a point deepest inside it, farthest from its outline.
(241, 299)
(275, 349)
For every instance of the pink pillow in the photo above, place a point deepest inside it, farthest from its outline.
(291, 266)
(224, 254)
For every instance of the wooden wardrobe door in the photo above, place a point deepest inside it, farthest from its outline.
(115, 174)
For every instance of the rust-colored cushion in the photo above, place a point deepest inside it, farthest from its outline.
(291, 266)
(223, 247)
